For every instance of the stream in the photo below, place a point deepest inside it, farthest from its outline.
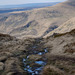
(36, 69)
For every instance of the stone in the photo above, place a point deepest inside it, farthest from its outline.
(1, 66)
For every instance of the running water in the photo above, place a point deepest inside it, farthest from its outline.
(36, 70)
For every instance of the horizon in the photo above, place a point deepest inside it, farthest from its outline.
(20, 2)
(28, 3)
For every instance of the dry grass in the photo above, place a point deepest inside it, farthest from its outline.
(63, 63)
(71, 51)
(52, 70)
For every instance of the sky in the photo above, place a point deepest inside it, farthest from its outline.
(16, 2)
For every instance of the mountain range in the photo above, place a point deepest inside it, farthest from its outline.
(24, 7)
(28, 5)
(36, 22)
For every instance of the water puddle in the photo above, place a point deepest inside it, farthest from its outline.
(40, 53)
(40, 62)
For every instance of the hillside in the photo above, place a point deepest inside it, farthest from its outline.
(65, 27)
(12, 52)
(61, 54)
(37, 22)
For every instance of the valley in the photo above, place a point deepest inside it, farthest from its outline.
(40, 41)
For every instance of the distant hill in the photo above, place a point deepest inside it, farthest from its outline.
(29, 5)
(37, 22)
(23, 7)
(65, 27)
